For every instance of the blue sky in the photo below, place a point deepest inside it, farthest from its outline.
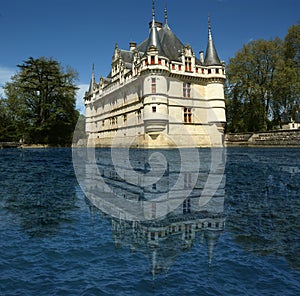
(78, 33)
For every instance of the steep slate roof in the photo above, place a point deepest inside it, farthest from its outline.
(171, 46)
(126, 55)
(168, 45)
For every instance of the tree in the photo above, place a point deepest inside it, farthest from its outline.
(263, 81)
(292, 59)
(8, 132)
(41, 98)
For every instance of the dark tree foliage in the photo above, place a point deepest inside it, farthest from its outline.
(41, 102)
(263, 82)
(8, 131)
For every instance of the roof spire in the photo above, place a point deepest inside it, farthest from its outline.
(211, 57)
(153, 11)
(153, 40)
(166, 16)
(93, 81)
(209, 27)
(93, 72)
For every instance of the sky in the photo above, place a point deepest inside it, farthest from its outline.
(80, 33)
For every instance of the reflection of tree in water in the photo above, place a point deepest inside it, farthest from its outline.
(262, 203)
(38, 188)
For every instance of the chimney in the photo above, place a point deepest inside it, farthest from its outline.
(132, 46)
(201, 57)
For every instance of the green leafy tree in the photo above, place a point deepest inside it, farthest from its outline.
(292, 59)
(8, 131)
(263, 81)
(41, 98)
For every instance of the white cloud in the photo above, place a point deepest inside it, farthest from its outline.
(79, 97)
(5, 74)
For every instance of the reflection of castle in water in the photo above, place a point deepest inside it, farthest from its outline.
(177, 193)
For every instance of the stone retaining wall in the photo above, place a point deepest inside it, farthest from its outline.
(290, 138)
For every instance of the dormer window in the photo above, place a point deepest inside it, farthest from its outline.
(152, 61)
(188, 64)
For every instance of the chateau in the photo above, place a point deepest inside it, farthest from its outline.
(158, 94)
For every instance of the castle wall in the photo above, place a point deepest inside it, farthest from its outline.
(157, 119)
(280, 138)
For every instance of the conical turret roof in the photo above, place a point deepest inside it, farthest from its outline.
(211, 56)
(154, 40)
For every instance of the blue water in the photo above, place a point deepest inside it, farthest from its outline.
(57, 241)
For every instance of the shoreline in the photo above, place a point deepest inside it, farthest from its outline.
(268, 139)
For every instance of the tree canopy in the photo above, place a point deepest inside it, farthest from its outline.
(40, 103)
(263, 82)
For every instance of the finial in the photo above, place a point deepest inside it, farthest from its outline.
(166, 16)
(93, 72)
(209, 28)
(153, 10)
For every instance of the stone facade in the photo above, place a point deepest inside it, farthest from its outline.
(158, 95)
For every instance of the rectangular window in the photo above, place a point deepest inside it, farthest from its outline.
(187, 115)
(153, 85)
(139, 115)
(153, 109)
(187, 180)
(186, 90)
(188, 64)
(152, 60)
(125, 118)
(152, 235)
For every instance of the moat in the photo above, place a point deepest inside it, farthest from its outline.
(59, 238)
